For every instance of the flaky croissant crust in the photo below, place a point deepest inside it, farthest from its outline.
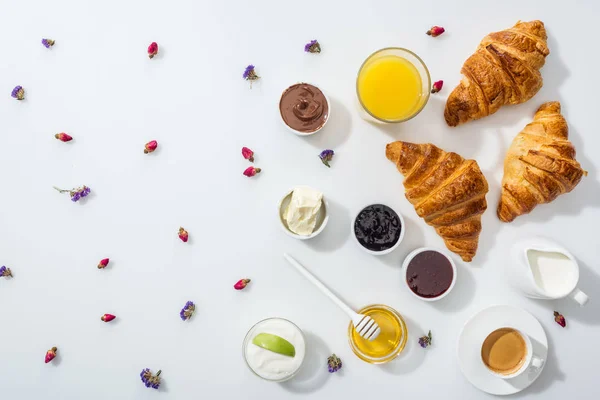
(447, 191)
(503, 70)
(540, 164)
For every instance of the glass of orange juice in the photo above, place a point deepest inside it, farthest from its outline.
(393, 85)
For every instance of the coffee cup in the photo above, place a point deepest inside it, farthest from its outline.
(507, 352)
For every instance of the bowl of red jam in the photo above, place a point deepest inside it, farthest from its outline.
(429, 274)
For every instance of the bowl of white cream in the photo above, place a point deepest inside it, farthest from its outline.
(274, 349)
(303, 212)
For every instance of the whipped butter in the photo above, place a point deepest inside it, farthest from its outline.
(301, 213)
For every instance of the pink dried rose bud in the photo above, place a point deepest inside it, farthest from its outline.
(152, 49)
(107, 317)
(242, 283)
(437, 86)
(251, 171)
(183, 235)
(435, 31)
(248, 154)
(50, 354)
(150, 146)
(558, 317)
(103, 263)
(63, 137)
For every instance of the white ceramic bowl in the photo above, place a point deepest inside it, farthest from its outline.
(305, 133)
(383, 252)
(322, 217)
(409, 258)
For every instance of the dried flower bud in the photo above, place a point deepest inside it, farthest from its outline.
(187, 311)
(435, 31)
(558, 317)
(63, 137)
(248, 154)
(437, 86)
(183, 235)
(425, 341)
(149, 379)
(48, 43)
(18, 93)
(251, 171)
(50, 354)
(107, 317)
(5, 272)
(326, 156)
(150, 146)
(250, 74)
(152, 49)
(242, 283)
(312, 47)
(334, 363)
(103, 263)
(76, 193)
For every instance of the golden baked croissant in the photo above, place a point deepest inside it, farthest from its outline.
(503, 70)
(540, 164)
(447, 191)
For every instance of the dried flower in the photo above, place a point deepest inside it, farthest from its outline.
(334, 363)
(312, 47)
(250, 74)
(251, 171)
(152, 49)
(187, 311)
(149, 379)
(50, 354)
(558, 317)
(48, 43)
(5, 272)
(107, 317)
(242, 283)
(437, 86)
(183, 235)
(435, 31)
(248, 154)
(63, 137)
(425, 341)
(150, 146)
(77, 193)
(18, 93)
(326, 156)
(103, 263)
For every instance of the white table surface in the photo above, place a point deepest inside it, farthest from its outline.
(98, 85)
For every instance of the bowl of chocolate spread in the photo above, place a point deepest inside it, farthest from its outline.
(304, 109)
(429, 273)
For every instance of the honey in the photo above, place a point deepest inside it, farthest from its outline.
(389, 343)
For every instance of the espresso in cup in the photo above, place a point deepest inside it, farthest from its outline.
(507, 352)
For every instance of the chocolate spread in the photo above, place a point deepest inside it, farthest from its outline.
(304, 107)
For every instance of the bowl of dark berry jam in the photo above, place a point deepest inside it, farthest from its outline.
(378, 229)
(429, 273)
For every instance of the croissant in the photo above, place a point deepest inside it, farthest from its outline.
(540, 164)
(503, 70)
(447, 191)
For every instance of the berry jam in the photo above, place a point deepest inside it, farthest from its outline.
(377, 227)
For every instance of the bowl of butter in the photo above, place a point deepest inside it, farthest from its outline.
(303, 212)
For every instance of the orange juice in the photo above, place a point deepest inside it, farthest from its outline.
(390, 87)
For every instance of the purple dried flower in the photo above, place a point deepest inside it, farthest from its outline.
(250, 74)
(48, 43)
(334, 363)
(425, 341)
(326, 156)
(149, 379)
(312, 47)
(5, 272)
(77, 193)
(18, 92)
(187, 311)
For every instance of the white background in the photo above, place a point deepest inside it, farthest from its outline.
(98, 85)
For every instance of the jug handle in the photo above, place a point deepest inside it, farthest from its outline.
(579, 297)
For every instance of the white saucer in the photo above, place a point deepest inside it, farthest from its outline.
(476, 330)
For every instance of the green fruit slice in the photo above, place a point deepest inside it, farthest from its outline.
(275, 344)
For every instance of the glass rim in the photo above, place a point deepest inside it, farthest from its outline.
(395, 352)
(290, 376)
(394, 121)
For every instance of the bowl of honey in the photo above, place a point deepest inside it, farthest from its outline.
(390, 342)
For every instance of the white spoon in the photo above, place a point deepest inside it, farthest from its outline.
(366, 326)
